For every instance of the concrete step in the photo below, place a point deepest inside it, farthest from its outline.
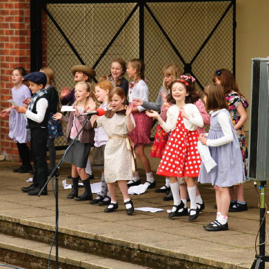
(30, 254)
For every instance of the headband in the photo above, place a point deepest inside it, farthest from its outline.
(188, 77)
(182, 81)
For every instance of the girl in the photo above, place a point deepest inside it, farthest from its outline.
(17, 121)
(170, 73)
(116, 76)
(225, 150)
(54, 126)
(180, 158)
(78, 154)
(138, 89)
(237, 105)
(118, 156)
(102, 90)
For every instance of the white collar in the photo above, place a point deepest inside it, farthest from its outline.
(213, 113)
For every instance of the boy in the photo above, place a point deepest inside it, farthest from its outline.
(37, 115)
(81, 73)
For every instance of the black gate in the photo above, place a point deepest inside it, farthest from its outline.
(199, 36)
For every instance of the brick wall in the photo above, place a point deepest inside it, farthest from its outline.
(14, 51)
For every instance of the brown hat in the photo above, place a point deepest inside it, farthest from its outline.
(85, 69)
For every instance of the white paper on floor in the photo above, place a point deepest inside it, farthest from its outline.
(140, 189)
(30, 179)
(96, 187)
(149, 209)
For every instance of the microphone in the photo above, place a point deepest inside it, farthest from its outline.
(98, 112)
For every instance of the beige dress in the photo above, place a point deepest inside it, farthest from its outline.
(118, 158)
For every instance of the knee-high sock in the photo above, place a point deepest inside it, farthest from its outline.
(192, 195)
(175, 191)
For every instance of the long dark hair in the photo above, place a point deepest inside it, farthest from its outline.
(215, 98)
(190, 89)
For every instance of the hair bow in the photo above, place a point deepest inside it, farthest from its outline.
(182, 81)
(188, 78)
(218, 72)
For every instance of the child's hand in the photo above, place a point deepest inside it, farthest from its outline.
(129, 109)
(202, 138)
(64, 92)
(183, 114)
(91, 106)
(138, 102)
(21, 109)
(152, 114)
(27, 101)
(57, 116)
(4, 113)
(76, 113)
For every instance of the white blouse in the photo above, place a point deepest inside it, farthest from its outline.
(195, 119)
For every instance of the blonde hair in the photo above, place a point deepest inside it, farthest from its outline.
(89, 90)
(172, 70)
(50, 75)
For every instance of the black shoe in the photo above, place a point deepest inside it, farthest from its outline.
(238, 207)
(84, 197)
(216, 226)
(168, 197)
(163, 189)
(29, 188)
(69, 176)
(105, 201)
(129, 211)
(151, 184)
(98, 199)
(133, 183)
(17, 169)
(91, 176)
(176, 212)
(201, 206)
(36, 191)
(111, 208)
(72, 194)
(194, 216)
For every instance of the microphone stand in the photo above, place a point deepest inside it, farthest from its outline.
(55, 173)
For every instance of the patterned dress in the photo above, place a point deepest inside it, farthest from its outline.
(181, 157)
(234, 100)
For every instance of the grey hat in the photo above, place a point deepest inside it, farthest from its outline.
(37, 77)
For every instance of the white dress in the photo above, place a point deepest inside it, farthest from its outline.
(118, 158)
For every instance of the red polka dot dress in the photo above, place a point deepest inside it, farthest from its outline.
(181, 157)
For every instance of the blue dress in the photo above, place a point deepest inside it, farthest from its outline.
(229, 170)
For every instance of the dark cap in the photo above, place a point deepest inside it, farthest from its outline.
(37, 77)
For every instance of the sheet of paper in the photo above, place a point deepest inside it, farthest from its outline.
(67, 108)
(140, 189)
(96, 187)
(149, 209)
(13, 103)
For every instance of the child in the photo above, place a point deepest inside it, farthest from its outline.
(79, 152)
(140, 136)
(37, 114)
(225, 150)
(181, 158)
(118, 156)
(116, 76)
(237, 104)
(17, 122)
(54, 126)
(81, 73)
(170, 73)
(102, 90)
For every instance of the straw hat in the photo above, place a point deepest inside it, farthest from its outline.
(85, 69)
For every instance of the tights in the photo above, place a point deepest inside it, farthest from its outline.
(52, 152)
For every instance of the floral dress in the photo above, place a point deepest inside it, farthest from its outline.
(234, 100)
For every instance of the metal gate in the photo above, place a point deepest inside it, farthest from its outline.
(199, 36)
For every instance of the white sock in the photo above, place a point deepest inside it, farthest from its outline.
(88, 168)
(175, 191)
(150, 177)
(199, 199)
(192, 195)
(112, 202)
(223, 219)
(128, 206)
(167, 182)
(185, 202)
